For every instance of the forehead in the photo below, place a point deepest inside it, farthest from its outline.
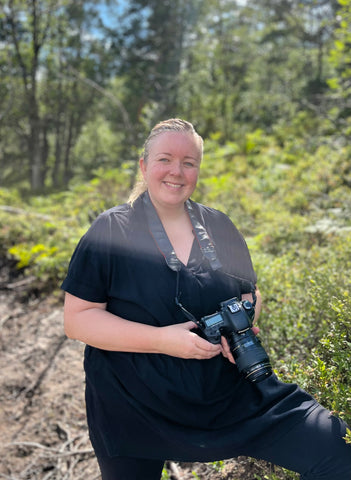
(176, 143)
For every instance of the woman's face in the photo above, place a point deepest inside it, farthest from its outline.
(172, 168)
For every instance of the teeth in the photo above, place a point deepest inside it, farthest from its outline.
(173, 185)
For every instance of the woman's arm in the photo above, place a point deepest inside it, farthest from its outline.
(92, 324)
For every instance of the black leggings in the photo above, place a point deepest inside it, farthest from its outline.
(125, 468)
(314, 448)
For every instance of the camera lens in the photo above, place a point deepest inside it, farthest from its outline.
(249, 355)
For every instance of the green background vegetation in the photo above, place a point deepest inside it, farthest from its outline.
(268, 87)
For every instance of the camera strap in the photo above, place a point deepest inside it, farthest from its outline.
(186, 312)
(160, 236)
(206, 245)
(164, 245)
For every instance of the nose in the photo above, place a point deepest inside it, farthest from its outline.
(176, 168)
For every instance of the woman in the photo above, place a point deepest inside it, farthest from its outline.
(155, 389)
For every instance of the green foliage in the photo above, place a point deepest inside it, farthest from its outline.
(218, 466)
(340, 53)
(277, 151)
(165, 474)
(291, 201)
(42, 233)
(289, 196)
(81, 83)
(327, 373)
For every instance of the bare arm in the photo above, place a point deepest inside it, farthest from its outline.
(92, 324)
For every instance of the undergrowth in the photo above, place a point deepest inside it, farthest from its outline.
(294, 211)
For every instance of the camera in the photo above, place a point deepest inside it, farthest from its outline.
(234, 321)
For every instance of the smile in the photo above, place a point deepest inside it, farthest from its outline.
(173, 185)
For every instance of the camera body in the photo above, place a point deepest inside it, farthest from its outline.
(234, 321)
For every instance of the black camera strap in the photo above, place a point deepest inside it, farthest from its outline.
(160, 236)
(186, 312)
(206, 245)
(162, 241)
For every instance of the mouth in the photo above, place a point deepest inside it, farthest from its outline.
(173, 185)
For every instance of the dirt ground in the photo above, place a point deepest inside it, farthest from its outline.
(42, 414)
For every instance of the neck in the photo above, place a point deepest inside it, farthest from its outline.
(169, 212)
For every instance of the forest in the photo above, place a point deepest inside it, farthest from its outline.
(268, 86)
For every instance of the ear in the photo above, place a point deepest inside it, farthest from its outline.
(142, 165)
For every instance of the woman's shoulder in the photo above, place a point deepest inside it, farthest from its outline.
(108, 223)
(212, 215)
(123, 211)
(219, 225)
(119, 215)
(118, 211)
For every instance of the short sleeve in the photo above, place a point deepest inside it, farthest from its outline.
(88, 271)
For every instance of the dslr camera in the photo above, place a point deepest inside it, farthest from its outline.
(234, 321)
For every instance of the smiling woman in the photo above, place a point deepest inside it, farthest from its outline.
(170, 167)
(155, 388)
(171, 170)
(172, 127)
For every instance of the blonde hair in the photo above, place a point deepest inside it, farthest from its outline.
(170, 125)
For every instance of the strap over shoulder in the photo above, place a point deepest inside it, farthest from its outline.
(158, 232)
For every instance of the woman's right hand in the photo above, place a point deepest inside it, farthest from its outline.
(179, 341)
(90, 323)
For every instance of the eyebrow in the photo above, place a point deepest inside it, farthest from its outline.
(169, 154)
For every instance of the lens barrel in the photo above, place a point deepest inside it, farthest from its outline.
(249, 355)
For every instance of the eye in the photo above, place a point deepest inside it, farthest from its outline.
(189, 164)
(163, 159)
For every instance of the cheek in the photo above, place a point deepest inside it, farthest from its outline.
(148, 171)
(193, 177)
(155, 171)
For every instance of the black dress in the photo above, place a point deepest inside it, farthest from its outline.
(158, 406)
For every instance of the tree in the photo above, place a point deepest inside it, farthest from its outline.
(27, 38)
(152, 40)
(255, 63)
(228, 66)
(215, 66)
(51, 55)
(340, 56)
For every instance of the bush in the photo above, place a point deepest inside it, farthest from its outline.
(42, 233)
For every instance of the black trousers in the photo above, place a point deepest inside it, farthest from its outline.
(315, 448)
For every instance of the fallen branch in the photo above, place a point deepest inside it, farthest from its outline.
(21, 283)
(51, 451)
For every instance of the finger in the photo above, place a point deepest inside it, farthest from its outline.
(229, 356)
(189, 325)
(202, 342)
(255, 330)
(203, 354)
(226, 352)
(208, 349)
(225, 345)
(207, 346)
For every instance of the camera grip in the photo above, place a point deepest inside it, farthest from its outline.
(211, 335)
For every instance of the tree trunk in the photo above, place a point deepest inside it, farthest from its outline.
(34, 151)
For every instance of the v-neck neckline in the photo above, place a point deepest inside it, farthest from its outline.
(161, 239)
